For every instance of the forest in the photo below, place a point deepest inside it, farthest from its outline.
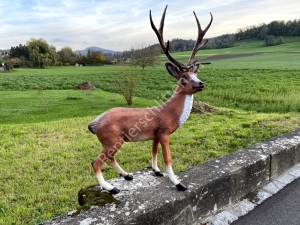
(267, 32)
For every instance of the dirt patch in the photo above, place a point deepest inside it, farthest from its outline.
(202, 107)
(85, 86)
(229, 56)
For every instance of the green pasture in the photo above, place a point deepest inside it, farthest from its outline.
(277, 61)
(285, 56)
(33, 106)
(46, 148)
(24, 94)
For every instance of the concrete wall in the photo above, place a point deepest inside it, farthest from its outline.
(212, 185)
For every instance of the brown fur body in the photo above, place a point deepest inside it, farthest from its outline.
(139, 124)
(119, 125)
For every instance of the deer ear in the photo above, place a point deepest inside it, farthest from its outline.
(172, 69)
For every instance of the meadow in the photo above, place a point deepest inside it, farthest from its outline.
(46, 149)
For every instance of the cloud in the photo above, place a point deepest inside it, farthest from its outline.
(119, 25)
(59, 40)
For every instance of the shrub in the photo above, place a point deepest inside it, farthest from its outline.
(126, 84)
(279, 41)
(58, 63)
(269, 39)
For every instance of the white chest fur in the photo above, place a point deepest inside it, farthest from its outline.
(187, 107)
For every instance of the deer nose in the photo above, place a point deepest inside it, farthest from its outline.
(201, 83)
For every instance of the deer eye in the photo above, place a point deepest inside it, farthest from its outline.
(184, 77)
(183, 80)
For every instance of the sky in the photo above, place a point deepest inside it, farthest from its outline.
(120, 25)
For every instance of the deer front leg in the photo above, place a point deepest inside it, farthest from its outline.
(164, 141)
(121, 172)
(154, 158)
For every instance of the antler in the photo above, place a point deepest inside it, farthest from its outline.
(191, 65)
(201, 34)
(159, 34)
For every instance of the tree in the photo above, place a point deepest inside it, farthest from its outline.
(263, 33)
(22, 53)
(79, 58)
(97, 57)
(41, 54)
(93, 58)
(11, 62)
(143, 57)
(66, 55)
(109, 59)
(19, 51)
(86, 59)
(296, 30)
(126, 84)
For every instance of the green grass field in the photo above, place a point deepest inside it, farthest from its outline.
(46, 148)
(261, 90)
(285, 56)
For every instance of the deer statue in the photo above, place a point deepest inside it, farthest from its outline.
(119, 125)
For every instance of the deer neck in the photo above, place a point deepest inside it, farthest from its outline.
(187, 108)
(178, 107)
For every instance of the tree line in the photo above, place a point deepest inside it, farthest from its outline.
(271, 33)
(275, 28)
(38, 53)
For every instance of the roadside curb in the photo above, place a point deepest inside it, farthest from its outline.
(211, 186)
(232, 212)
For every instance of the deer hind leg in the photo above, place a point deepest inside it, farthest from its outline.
(97, 164)
(154, 158)
(164, 141)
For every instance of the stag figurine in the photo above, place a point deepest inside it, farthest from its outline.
(119, 125)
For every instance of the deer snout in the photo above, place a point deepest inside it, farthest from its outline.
(199, 86)
(201, 83)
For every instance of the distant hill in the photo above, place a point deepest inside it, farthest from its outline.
(93, 48)
(5, 50)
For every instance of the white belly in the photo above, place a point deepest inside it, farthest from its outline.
(187, 108)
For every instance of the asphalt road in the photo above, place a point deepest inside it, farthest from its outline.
(283, 208)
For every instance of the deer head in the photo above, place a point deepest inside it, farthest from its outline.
(185, 74)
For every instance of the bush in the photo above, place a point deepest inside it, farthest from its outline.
(126, 84)
(58, 63)
(269, 39)
(279, 41)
